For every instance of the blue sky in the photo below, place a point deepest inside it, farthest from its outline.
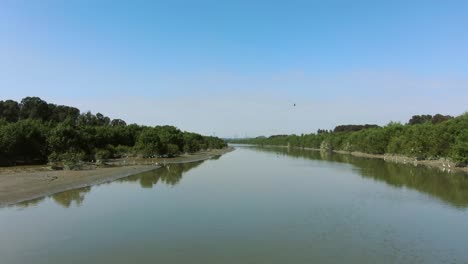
(234, 68)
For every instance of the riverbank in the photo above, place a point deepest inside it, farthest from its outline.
(442, 164)
(23, 183)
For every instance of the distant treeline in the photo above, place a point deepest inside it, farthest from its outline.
(34, 131)
(423, 137)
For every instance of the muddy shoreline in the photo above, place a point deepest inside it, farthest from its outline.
(23, 183)
(442, 164)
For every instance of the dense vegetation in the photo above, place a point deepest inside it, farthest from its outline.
(423, 137)
(34, 131)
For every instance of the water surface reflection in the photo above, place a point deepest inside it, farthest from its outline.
(451, 188)
(170, 175)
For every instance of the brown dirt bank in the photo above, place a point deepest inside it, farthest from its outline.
(22, 183)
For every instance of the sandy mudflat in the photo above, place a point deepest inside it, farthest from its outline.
(24, 183)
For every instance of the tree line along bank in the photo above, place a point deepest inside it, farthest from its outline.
(35, 132)
(423, 137)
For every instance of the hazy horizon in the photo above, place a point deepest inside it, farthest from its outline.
(237, 69)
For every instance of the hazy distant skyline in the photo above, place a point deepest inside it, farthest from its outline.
(237, 68)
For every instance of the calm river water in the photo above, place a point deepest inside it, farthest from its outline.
(253, 205)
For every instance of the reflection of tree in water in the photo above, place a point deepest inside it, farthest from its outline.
(449, 187)
(216, 157)
(30, 203)
(170, 174)
(66, 198)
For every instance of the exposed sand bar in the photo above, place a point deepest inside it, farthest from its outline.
(18, 184)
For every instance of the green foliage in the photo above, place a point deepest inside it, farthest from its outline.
(349, 128)
(459, 151)
(148, 143)
(23, 142)
(9, 110)
(60, 113)
(104, 154)
(36, 131)
(169, 135)
(212, 143)
(70, 157)
(172, 150)
(192, 142)
(34, 108)
(118, 122)
(65, 138)
(424, 137)
(121, 151)
(421, 119)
